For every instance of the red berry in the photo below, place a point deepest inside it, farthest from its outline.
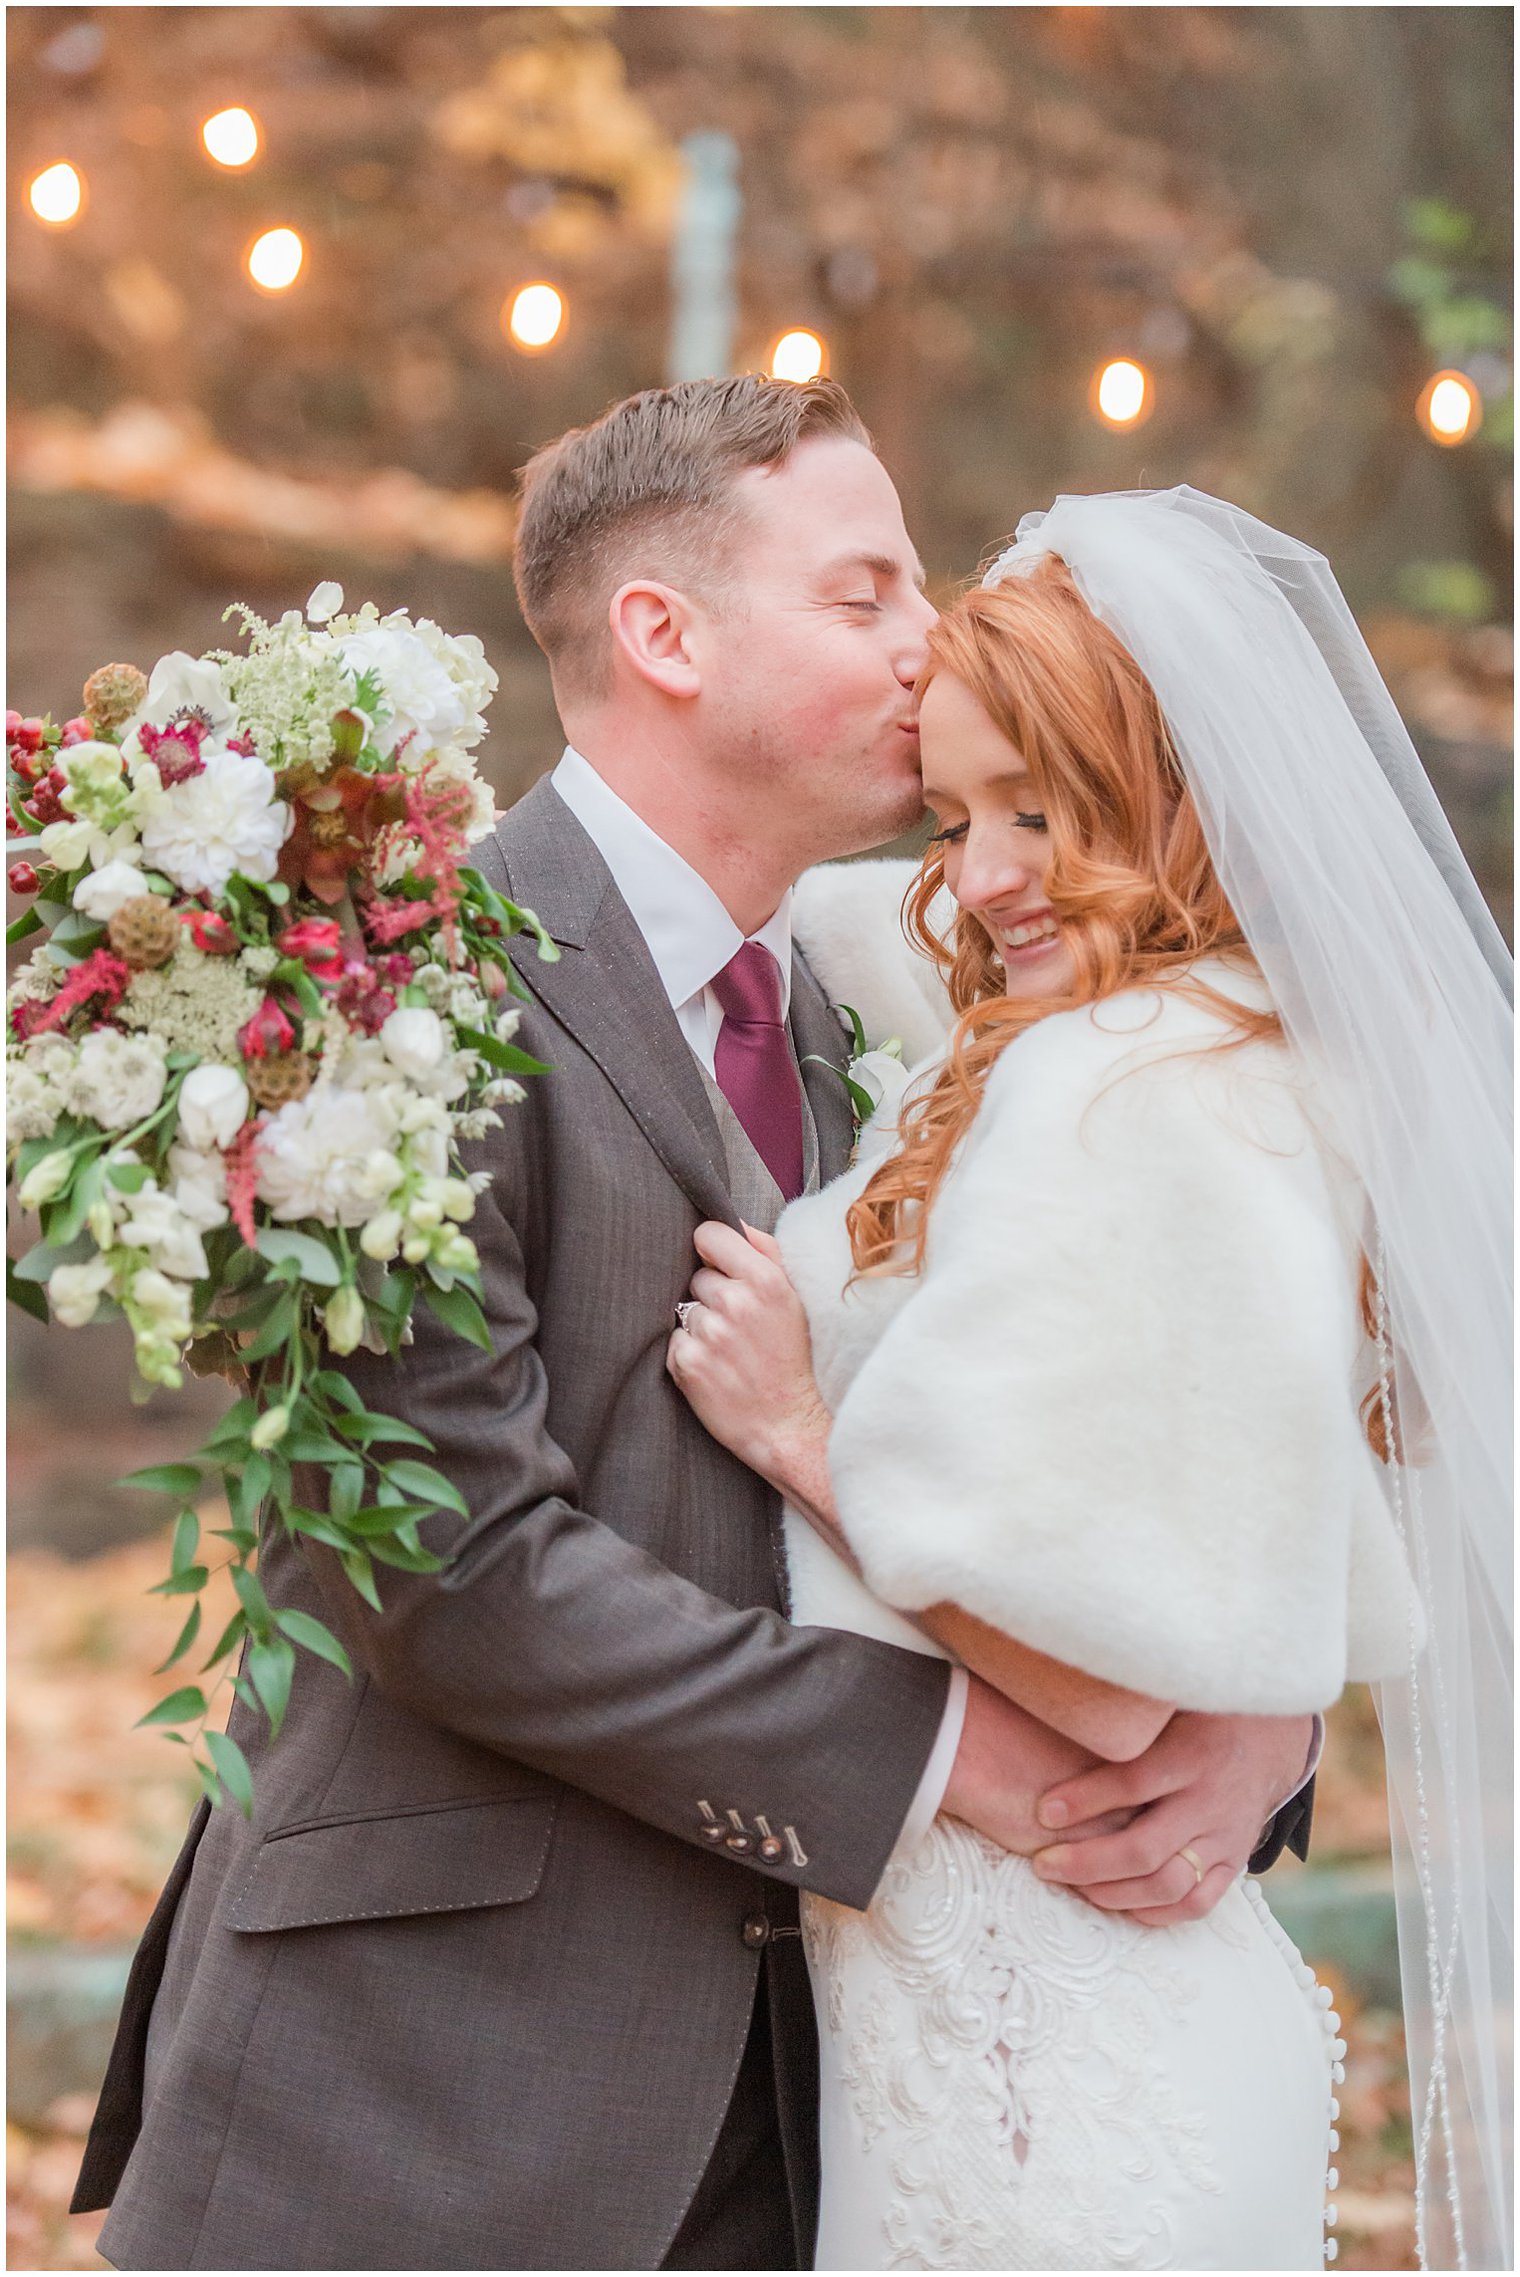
(12, 726)
(77, 730)
(31, 735)
(23, 878)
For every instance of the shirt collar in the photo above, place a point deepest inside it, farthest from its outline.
(686, 928)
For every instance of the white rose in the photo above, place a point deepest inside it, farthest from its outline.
(414, 1041)
(229, 818)
(199, 1185)
(325, 602)
(154, 1222)
(75, 1291)
(327, 1156)
(213, 1105)
(425, 706)
(117, 1078)
(165, 1304)
(102, 893)
(882, 1074)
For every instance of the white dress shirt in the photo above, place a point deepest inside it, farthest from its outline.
(691, 937)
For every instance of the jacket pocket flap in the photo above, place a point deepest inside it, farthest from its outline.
(374, 1869)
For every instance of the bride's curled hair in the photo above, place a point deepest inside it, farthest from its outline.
(1130, 878)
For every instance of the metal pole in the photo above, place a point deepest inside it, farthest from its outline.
(704, 304)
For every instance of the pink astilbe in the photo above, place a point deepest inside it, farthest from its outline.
(438, 814)
(99, 976)
(386, 921)
(241, 1162)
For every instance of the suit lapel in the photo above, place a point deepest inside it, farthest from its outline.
(606, 992)
(820, 1038)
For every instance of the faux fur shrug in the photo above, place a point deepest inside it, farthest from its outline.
(1116, 1415)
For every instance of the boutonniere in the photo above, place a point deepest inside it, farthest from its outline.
(875, 1076)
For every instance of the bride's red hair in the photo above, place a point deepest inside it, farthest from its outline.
(1130, 876)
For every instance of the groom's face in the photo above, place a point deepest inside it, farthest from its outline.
(809, 676)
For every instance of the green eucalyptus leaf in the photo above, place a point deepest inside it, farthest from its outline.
(233, 1766)
(165, 1478)
(184, 1584)
(303, 1630)
(361, 1573)
(187, 1637)
(25, 1294)
(317, 1263)
(422, 1483)
(270, 1669)
(457, 1309)
(252, 1599)
(181, 1707)
(187, 1534)
(235, 1629)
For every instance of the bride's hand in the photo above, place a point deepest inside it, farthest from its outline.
(744, 1359)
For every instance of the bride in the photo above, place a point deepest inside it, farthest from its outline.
(1151, 1358)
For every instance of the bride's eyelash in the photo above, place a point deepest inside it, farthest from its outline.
(958, 830)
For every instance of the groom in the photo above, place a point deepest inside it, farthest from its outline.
(505, 1972)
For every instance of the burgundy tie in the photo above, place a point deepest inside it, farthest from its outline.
(754, 1065)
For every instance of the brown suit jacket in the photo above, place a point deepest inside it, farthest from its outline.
(471, 1989)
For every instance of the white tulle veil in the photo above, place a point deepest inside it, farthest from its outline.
(1392, 981)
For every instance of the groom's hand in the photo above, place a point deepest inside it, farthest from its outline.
(1006, 1761)
(1208, 1784)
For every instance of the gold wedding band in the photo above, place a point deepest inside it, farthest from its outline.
(1194, 1861)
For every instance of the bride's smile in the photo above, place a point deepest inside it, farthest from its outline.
(997, 849)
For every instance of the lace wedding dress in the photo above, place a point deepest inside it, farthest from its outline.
(1012, 2079)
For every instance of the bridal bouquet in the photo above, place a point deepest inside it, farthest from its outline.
(271, 999)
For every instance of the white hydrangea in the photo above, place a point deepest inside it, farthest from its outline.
(36, 1087)
(116, 1078)
(329, 1156)
(229, 818)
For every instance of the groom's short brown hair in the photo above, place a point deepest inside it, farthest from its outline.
(646, 491)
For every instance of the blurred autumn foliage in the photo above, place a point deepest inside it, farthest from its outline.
(1292, 217)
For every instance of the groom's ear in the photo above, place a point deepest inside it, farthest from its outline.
(652, 627)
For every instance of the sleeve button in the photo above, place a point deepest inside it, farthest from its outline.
(772, 1848)
(738, 1842)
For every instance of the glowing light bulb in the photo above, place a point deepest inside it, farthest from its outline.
(534, 317)
(57, 194)
(232, 137)
(1450, 408)
(798, 356)
(1122, 393)
(274, 260)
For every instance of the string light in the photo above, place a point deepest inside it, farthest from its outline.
(274, 260)
(799, 356)
(1122, 393)
(231, 137)
(533, 318)
(56, 194)
(1450, 408)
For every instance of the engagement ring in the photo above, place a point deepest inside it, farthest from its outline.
(684, 1313)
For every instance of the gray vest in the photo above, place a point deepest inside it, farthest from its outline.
(756, 1196)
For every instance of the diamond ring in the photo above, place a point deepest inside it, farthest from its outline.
(684, 1313)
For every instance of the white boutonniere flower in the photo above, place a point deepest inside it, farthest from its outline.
(874, 1076)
